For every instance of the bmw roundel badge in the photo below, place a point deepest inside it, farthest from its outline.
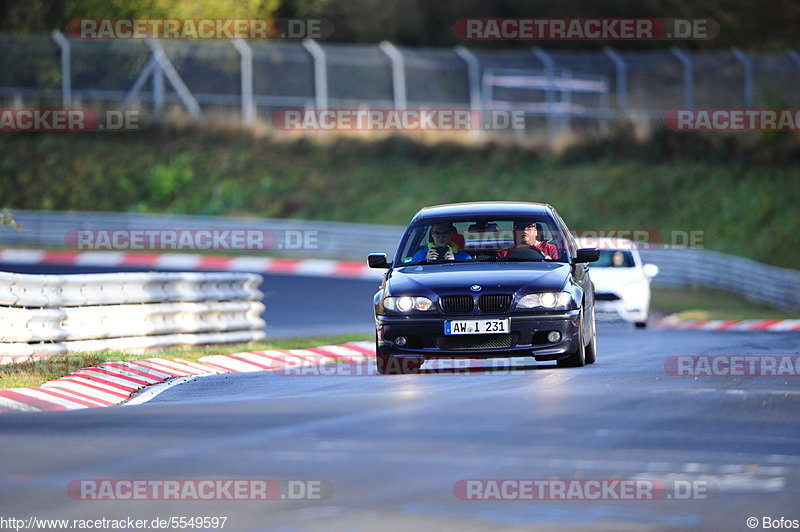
(475, 288)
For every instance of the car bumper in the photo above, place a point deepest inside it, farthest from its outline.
(425, 337)
(627, 311)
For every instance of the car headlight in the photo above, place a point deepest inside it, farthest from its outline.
(545, 300)
(407, 303)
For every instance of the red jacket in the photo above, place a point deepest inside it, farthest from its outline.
(549, 250)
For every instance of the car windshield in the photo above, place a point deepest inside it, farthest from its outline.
(533, 239)
(614, 258)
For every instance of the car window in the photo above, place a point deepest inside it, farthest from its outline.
(482, 239)
(614, 258)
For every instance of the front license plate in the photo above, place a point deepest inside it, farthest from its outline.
(495, 326)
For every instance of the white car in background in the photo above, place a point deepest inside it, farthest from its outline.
(621, 280)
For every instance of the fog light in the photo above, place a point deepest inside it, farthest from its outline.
(400, 341)
(553, 337)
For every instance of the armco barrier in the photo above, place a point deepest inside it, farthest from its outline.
(338, 240)
(43, 315)
(680, 267)
(770, 285)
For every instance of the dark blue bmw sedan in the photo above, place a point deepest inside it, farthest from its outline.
(481, 280)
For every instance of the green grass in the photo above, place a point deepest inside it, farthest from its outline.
(35, 373)
(742, 194)
(704, 304)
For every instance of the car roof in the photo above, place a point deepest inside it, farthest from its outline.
(608, 243)
(483, 208)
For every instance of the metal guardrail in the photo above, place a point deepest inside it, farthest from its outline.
(55, 314)
(680, 267)
(770, 285)
(336, 240)
(22, 290)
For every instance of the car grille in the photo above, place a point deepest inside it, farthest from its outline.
(494, 302)
(457, 304)
(606, 297)
(477, 341)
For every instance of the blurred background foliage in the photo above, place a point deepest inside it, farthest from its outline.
(759, 25)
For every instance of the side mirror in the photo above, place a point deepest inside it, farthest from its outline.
(650, 270)
(378, 260)
(587, 255)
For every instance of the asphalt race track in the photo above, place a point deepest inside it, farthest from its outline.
(390, 450)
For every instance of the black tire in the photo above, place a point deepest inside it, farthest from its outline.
(640, 324)
(384, 363)
(591, 349)
(576, 359)
(388, 364)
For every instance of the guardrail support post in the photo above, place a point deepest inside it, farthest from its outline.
(248, 106)
(320, 73)
(66, 69)
(688, 76)
(398, 73)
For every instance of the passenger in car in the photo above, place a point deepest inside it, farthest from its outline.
(526, 236)
(442, 246)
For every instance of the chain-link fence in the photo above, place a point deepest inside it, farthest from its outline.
(248, 80)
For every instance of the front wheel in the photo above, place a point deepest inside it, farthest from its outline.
(591, 349)
(392, 365)
(577, 358)
(384, 362)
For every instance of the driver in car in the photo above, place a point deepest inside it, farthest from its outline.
(442, 247)
(526, 236)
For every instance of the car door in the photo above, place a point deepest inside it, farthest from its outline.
(580, 273)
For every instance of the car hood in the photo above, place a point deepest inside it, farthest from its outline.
(614, 279)
(492, 277)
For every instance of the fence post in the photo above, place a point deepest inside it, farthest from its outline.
(398, 73)
(747, 64)
(794, 55)
(66, 70)
(688, 77)
(320, 73)
(622, 77)
(248, 107)
(474, 84)
(158, 94)
(163, 68)
(550, 95)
